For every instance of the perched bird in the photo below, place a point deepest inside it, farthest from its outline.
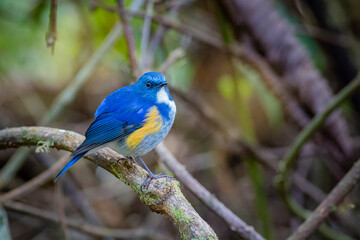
(132, 121)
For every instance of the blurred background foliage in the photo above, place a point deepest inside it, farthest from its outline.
(31, 76)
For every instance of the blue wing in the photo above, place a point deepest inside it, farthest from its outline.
(105, 130)
(112, 121)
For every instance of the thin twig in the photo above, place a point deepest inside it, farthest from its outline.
(129, 38)
(290, 157)
(303, 213)
(59, 201)
(312, 222)
(162, 195)
(173, 57)
(51, 34)
(321, 34)
(155, 41)
(235, 223)
(81, 226)
(146, 33)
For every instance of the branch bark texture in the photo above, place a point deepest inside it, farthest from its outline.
(162, 195)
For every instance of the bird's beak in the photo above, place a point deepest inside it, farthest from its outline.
(163, 84)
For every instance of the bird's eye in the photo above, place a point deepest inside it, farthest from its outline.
(148, 84)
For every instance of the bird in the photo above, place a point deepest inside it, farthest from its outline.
(132, 120)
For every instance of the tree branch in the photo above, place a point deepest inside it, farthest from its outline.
(350, 180)
(303, 213)
(162, 195)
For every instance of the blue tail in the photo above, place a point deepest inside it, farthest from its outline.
(69, 164)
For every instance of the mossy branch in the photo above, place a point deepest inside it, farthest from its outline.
(162, 195)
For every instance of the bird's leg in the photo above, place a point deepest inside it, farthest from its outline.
(151, 175)
(134, 160)
(146, 167)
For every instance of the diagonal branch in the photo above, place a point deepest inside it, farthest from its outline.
(162, 196)
(236, 224)
(350, 180)
(173, 57)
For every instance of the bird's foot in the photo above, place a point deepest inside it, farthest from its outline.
(160, 175)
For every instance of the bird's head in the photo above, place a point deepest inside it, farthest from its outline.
(152, 86)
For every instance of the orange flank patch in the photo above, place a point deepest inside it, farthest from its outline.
(152, 125)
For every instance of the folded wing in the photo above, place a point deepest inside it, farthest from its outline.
(107, 127)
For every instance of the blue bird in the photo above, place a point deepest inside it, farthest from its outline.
(133, 120)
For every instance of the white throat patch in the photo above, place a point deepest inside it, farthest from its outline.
(163, 97)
